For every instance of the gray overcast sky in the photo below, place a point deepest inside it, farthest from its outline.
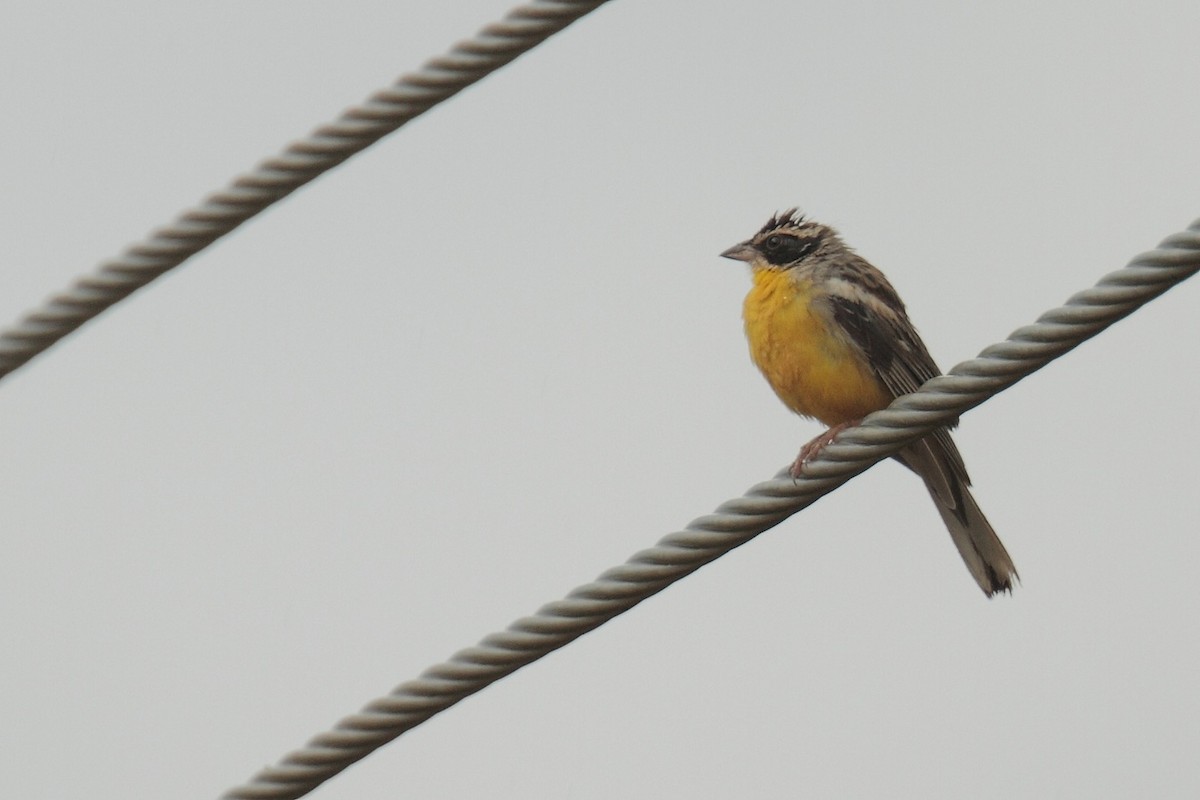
(497, 354)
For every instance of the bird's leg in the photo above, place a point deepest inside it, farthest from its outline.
(814, 448)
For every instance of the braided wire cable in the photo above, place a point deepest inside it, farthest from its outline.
(732, 524)
(411, 95)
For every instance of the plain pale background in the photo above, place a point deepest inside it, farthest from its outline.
(497, 354)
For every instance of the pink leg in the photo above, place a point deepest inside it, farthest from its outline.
(814, 448)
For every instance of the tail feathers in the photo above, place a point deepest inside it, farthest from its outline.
(979, 546)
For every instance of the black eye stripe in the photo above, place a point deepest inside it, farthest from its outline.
(781, 249)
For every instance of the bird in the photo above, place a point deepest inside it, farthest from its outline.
(833, 339)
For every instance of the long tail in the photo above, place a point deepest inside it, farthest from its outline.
(936, 460)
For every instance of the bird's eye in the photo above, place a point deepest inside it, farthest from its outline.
(783, 249)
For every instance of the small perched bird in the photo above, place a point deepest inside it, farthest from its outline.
(832, 338)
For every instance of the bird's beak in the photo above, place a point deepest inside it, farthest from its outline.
(740, 252)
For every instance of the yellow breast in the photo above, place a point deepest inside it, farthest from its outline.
(814, 372)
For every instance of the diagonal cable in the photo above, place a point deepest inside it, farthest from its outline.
(358, 127)
(732, 524)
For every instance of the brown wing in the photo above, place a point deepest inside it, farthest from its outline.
(892, 347)
(896, 354)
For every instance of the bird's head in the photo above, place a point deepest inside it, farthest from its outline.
(787, 240)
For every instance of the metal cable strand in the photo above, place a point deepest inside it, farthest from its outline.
(358, 127)
(732, 524)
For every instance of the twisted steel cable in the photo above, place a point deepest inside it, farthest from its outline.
(733, 523)
(358, 127)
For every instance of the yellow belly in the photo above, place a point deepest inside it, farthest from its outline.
(813, 372)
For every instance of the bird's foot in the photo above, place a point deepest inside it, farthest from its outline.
(814, 448)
